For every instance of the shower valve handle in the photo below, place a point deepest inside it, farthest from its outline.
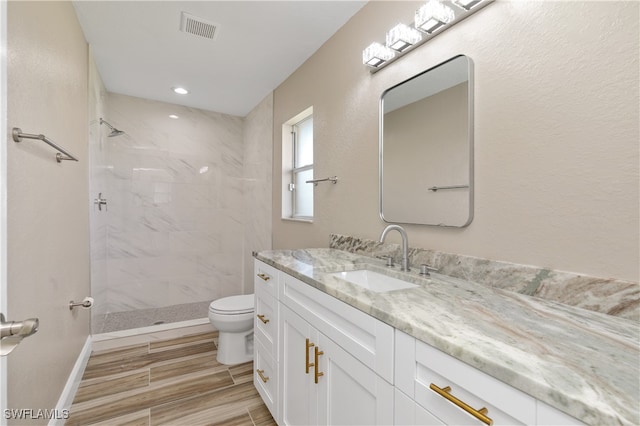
(100, 202)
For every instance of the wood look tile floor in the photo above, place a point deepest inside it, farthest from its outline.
(167, 382)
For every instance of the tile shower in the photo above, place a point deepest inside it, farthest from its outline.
(188, 200)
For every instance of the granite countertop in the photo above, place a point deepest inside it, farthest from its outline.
(581, 362)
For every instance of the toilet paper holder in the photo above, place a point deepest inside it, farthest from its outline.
(86, 303)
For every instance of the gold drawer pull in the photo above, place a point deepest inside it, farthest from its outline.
(318, 373)
(262, 318)
(309, 345)
(478, 414)
(264, 277)
(262, 376)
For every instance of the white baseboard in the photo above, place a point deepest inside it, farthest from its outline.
(70, 389)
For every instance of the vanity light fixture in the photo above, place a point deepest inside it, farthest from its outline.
(180, 90)
(402, 37)
(376, 54)
(433, 18)
(466, 4)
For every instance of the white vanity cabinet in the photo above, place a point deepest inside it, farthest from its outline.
(321, 361)
(325, 382)
(265, 346)
(324, 362)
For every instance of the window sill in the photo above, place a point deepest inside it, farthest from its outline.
(298, 219)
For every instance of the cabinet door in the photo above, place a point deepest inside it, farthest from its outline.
(349, 393)
(298, 405)
(408, 412)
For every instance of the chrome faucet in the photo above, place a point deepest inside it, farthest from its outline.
(405, 244)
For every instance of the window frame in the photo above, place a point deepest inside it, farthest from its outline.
(290, 169)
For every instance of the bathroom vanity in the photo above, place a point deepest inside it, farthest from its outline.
(443, 351)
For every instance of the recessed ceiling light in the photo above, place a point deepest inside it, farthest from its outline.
(180, 90)
(175, 117)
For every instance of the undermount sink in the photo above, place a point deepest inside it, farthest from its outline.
(373, 281)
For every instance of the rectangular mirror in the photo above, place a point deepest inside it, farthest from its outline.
(426, 147)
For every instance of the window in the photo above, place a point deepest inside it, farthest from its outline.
(297, 162)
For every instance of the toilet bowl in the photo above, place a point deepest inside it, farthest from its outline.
(233, 318)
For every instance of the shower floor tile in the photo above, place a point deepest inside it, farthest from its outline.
(174, 381)
(116, 321)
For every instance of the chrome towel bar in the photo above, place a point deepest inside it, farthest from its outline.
(332, 179)
(18, 135)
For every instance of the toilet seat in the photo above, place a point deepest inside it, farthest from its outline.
(232, 305)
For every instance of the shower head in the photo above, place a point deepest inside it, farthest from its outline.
(114, 131)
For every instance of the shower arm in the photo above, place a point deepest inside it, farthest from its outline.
(108, 125)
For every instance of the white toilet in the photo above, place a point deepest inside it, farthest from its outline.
(233, 318)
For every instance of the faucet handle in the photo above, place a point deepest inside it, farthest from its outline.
(389, 260)
(424, 269)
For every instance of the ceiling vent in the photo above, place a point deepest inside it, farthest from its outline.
(193, 25)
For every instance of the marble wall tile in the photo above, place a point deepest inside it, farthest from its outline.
(608, 296)
(175, 205)
(257, 191)
(162, 292)
(99, 289)
(189, 200)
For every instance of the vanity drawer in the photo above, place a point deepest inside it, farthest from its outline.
(364, 337)
(266, 320)
(265, 377)
(504, 404)
(265, 277)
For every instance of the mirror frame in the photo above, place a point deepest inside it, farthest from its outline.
(470, 138)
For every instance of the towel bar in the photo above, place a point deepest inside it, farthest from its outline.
(18, 135)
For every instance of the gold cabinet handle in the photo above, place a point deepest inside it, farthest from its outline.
(264, 277)
(478, 414)
(308, 345)
(318, 373)
(263, 319)
(262, 376)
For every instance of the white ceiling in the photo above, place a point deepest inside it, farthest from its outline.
(140, 51)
